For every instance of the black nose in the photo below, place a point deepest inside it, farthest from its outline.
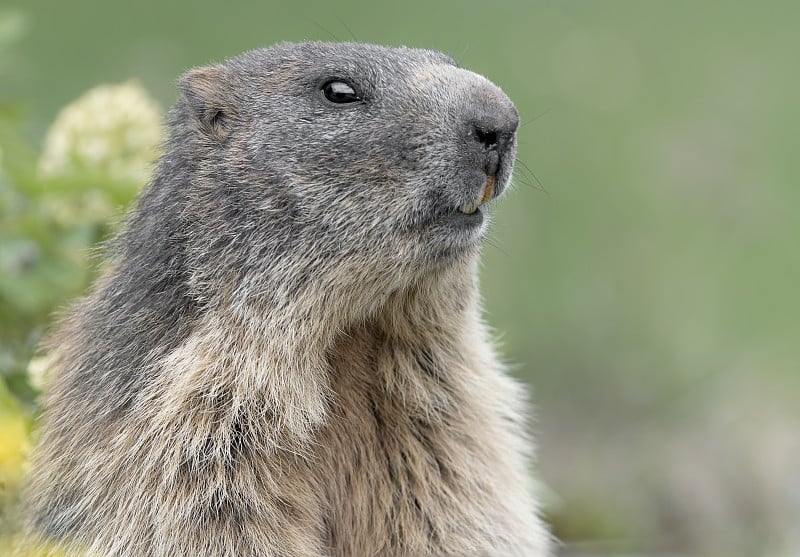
(487, 137)
(493, 132)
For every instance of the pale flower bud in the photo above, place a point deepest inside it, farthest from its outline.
(112, 131)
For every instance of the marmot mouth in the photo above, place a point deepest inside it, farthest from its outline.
(486, 194)
(455, 220)
(475, 215)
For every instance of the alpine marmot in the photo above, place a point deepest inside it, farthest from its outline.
(285, 355)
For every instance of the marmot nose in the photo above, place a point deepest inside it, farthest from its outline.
(493, 132)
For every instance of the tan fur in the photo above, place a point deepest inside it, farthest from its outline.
(360, 411)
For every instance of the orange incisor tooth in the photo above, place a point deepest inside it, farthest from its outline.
(488, 190)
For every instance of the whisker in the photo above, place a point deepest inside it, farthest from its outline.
(325, 30)
(532, 120)
(527, 168)
(353, 35)
(490, 240)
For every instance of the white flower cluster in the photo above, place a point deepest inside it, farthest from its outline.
(39, 371)
(111, 131)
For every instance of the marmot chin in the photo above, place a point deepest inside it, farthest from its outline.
(285, 356)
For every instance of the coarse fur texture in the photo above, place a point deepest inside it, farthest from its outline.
(285, 356)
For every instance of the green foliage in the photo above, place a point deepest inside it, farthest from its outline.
(48, 227)
(55, 209)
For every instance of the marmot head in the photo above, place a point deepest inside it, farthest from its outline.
(385, 157)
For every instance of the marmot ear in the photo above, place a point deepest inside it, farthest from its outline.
(204, 91)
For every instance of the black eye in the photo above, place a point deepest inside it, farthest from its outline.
(340, 92)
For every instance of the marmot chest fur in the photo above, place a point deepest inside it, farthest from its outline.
(285, 356)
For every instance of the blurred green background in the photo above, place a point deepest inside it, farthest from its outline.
(643, 277)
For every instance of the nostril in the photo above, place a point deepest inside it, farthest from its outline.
(488, 138)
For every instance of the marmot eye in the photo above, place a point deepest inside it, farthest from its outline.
(340, 92)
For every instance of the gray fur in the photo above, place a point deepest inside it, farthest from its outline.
(285, 356)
